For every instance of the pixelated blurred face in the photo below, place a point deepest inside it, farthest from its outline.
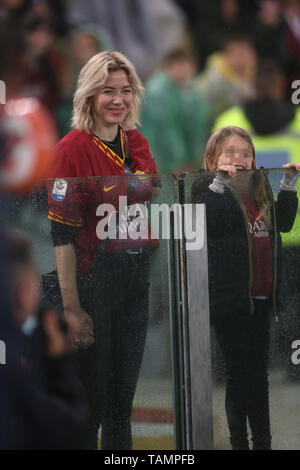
(241, 56)
(84, 47)
(236, 152)
(12, 3)
(270, 12)
(230, 9)
(114, 100)
(40, 39)
(42, 8)
(181, 71)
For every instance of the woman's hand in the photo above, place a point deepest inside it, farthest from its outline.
(83, 334)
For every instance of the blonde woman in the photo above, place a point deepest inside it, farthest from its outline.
(104, 282)
(243, 232)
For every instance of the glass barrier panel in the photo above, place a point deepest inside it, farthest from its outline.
(253, 240)
(120, 227)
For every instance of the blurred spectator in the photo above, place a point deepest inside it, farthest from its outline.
(11, 9)
(53, 10)
(144, 31)
(270, 31)
(268, 114)
(175, 118)
(42, 395)
(84, 42)
(44, 70)
(168, 25)
(42, 404)
(291, 13)
(210, 21)
(11, 63)
(277, 36)
(228, 78)
(15, 10)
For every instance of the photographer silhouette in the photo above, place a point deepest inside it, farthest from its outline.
(42, 394)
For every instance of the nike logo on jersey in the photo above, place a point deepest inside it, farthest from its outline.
(108, 188)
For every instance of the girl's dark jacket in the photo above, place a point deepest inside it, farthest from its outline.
(229, 245)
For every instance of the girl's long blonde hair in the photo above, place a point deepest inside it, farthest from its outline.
(92, 78)
(213, 151)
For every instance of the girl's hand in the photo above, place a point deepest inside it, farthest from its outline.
(291, 169)
(230, 169)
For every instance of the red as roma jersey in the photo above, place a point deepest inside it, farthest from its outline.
(261, 251)
(76, 192)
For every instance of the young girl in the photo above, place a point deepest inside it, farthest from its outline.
(243, 232)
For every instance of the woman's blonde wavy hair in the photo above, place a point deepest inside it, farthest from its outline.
(213, 151)
(92, 78)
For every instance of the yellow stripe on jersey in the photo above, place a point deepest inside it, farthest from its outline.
(64, 220)
(110, 153)
(80, 221)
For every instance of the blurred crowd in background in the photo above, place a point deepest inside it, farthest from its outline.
(196, 59)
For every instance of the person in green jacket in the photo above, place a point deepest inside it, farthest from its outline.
(175, 117)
